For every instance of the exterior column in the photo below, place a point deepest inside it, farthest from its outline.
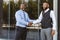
(55, 6)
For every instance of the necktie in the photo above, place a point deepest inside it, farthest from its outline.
(24, 16)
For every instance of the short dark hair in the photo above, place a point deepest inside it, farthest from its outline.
(23, 3)
(46, 2)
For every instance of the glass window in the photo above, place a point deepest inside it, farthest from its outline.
(34, 7)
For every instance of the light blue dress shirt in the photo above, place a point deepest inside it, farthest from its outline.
(22, 18)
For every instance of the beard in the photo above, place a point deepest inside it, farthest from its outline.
(45, 8)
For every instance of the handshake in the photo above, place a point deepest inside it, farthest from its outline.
(30, 24)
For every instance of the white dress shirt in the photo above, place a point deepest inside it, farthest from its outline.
(52, 15)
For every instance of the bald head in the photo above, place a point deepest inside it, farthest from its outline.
(22, 6)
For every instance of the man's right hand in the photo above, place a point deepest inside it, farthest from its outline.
(30, 23)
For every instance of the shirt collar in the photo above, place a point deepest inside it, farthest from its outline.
(21, 10)
(46, 10)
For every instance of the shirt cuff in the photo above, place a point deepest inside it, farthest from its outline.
(54, 28)
(34, 22)
(27, 23)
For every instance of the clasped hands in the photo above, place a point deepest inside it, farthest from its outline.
(30, 24)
